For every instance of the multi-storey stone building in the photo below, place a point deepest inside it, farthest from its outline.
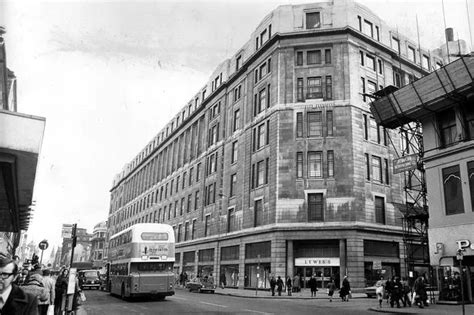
(276, 166)
(98, 243)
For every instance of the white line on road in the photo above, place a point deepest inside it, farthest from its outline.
(258, 312)
(213, 304)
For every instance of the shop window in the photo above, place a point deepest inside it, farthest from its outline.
(230, 252)
(453, 200)
(262, 249)
(206, 255)
(315, 207)
(188, 257)
(379, 210)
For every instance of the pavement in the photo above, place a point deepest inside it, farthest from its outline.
(372, 304)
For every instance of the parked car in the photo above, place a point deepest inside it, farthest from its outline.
(370, 291)
(199, 285)
(89, 279)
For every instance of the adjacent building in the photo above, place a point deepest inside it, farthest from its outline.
(443, 103)
(277, 166)
(21, 137)
(82, 251)
(98, 243)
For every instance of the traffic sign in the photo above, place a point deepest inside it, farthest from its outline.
(66, 232)
(43, 245)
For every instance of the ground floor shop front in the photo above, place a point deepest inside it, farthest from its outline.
(250, 261)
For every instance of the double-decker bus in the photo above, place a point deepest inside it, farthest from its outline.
(141, 261)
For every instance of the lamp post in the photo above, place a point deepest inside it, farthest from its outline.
(459, 256)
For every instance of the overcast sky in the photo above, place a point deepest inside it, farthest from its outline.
(109, 75)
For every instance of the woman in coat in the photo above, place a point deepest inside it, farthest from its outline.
(312, 285)
(345, 290)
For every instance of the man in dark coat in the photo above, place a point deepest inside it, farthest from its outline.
(279, 284)
(13, 301)
(272, 285)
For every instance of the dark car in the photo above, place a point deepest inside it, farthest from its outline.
(201, 285)
(89, 279)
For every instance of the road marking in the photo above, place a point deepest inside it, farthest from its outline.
(213, 304)
(257, 312)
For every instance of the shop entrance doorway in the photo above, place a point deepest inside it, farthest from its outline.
(322, 274)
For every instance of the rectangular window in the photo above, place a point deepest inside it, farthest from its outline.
(258, 212)
(196, 200)
(181, 210)
(330, 163)
(233, 184)
(183, 182)
(236, 124)
(362, 58)
(299, 90)
(314, 88)
(411, 54)
(371, 87)
(237, 93)
(447, 126)
(238, 64)
(359, 18)
(452, 184)
(425, 62)
(191, 171)
(299, 125)
(313, 20)
(376, 169)
(179, 233)
(299, 165)
(315, 207)
(387, 171)
(188, 204)
(207, 222)
(328, 87)
(315, 124)
(198, 172)
(234, 152)
(379, 210)
(377, 31)
(314, 165)
(299, 58)
(367, 166)
(262, 100)
(362, 81)
(329, 123)
(470, 175)
(371, 62)
(368, 28)
(193, 229)
(380, 66)
(260, 180)
(396, 45)
(313, 57)
(231, 220)
(186, 231)
(366, 127)
(327, 56)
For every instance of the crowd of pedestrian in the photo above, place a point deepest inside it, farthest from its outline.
(34, 290)
(398, 292)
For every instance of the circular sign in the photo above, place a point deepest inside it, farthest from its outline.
(43, 245)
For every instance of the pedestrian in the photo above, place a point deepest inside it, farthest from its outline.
(388, 288)
(312, 285)
(296, 283)
(34, 285)
(181, 279)
(345, 291)
(380, 291)
(48, 283)
(396, 292)
(420, 291)
(13, 300)
(60, 290)
(288, 285)
(272, 285)
(223, 281)
(406, 292)
(331, 288)
(279, 284)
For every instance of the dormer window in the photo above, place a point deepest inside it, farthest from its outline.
(313, 20)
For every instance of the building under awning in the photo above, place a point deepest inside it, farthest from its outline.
(21, 137)
(432, 93)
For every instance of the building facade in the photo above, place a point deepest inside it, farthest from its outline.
(276, 165)
(82, 251)
(21, 137)
(98, 244)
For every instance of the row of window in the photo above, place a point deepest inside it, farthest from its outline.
(314, 164)
(316, 88)
(315, 124)
(371, 62)
(314, 57)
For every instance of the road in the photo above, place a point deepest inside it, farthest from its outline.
(184, 302)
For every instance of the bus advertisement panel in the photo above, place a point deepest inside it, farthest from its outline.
(141, 261)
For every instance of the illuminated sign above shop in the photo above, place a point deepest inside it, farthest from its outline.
(318, 261)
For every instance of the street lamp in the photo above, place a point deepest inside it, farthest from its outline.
(459, 256)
